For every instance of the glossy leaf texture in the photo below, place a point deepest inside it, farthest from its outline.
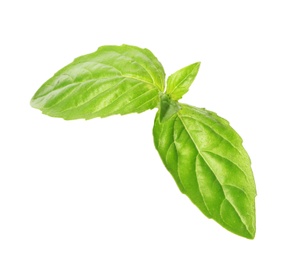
(179, 82)
(113, 80)
(209, 164)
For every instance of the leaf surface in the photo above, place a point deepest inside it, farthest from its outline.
(113, 80)
(209, 164)
(167, 108)
(179, 82)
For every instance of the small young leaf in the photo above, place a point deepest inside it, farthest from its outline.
(113, 80)
(209, 164)
(168, 108)
(179, 82)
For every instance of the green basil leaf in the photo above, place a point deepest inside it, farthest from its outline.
(167, 108)
(179, 82)
(209, 164)
(113, 80)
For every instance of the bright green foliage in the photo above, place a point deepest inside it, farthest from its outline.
(206, 158)
(179, 82)
(113, 80)
(167, 108)
(200, 149)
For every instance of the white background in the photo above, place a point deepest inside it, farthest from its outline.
(97, 189)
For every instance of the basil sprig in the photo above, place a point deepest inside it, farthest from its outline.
(201, 150)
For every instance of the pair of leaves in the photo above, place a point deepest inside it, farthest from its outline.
(113, 80)
(202, 152)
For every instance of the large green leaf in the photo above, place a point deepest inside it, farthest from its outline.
(179, 82)
(209, 164)
(113, 80)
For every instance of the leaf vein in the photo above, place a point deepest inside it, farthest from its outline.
(184, 79)
(144, 68)
(212, 130)
(224, 158)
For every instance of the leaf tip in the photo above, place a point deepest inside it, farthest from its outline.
(198, 63)
(250, 235)
(195, 66)
(33, 103)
